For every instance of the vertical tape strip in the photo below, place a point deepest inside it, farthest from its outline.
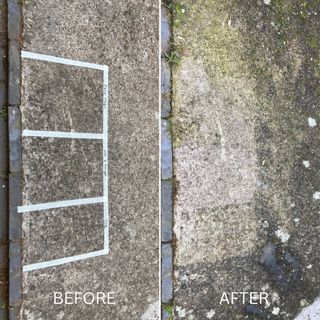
(105, 158)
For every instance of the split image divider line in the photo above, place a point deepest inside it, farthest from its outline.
(75, 135)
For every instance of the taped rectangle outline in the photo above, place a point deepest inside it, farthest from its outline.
(75, 135)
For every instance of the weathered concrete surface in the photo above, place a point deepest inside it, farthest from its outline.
(57, 159)
(246, 157)
(83, 232)
(76, 85)
(124, 36)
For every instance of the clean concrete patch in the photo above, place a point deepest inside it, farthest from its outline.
(215, 169)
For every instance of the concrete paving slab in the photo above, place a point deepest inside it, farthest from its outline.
(64, 98)
(49, 165)
(82, 232)
(246, 144)
(124, 36)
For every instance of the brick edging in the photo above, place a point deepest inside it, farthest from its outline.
(15, 157)
(166, 171)
(4, 169)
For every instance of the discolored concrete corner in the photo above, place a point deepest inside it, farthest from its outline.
(246, 148)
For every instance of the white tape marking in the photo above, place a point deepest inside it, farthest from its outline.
(69, 62)
(105, 157)
(61, 134)
(60, 204)
(57, 262)
(74, 135)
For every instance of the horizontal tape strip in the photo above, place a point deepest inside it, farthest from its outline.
(54, 59)
(60, 204)
(61, 134)
(57, 262)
